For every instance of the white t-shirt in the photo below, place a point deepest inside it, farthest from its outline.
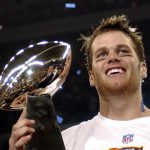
(102, 133)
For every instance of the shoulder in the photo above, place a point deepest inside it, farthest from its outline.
(71, 134)
(76, 128)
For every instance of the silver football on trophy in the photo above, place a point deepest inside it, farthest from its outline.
(38, 69)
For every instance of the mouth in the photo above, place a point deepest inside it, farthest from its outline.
(117, 70)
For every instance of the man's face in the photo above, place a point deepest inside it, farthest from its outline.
(115, 65)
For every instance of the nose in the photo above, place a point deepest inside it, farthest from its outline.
(113, 57)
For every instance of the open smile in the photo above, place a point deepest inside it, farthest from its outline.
(115, 70)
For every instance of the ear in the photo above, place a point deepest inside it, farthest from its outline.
(91, 78)
(143, 68)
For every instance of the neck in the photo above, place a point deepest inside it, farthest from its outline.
(123, 106)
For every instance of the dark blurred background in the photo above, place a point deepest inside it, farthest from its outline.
(23, 22)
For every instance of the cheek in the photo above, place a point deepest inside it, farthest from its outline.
(134, 68)
(99, 70)
(98, 76)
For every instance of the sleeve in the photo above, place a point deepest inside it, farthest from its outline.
(69, 136)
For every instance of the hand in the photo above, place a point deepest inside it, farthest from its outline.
(21, 132)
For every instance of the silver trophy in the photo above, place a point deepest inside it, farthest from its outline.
(30, 78)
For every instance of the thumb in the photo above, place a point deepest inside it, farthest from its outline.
(23, 115)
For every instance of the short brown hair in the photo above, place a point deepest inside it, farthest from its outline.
(120, 23)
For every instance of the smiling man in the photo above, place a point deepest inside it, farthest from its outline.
(117, 72)
(116, 66)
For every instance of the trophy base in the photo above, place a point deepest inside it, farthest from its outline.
(47, 135)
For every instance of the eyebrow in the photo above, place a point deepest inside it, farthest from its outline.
(104, 48)
(122, 45)
(100, 49)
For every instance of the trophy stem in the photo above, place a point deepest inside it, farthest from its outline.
(47, 135)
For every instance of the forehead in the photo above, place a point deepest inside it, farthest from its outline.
(111, 39)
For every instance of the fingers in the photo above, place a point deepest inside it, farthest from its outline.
(24, 140)
(21, 132)
(23, 128)
(22, 123)
(19, 145)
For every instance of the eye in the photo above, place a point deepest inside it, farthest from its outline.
(123, 52)
(101, 55)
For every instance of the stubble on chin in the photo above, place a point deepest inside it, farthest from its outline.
(116, 89)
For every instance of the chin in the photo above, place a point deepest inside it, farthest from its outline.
(115, 88)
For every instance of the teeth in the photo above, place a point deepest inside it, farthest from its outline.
(114, 71)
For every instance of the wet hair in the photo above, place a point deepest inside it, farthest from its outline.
(119, 23)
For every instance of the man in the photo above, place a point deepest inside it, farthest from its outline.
(116, 66)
